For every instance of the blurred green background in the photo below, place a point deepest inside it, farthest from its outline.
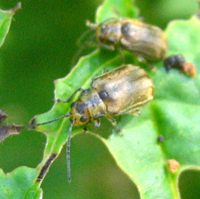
(39, 49)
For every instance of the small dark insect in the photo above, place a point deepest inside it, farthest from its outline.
(124, 90)
(178, 61)
(146, 41)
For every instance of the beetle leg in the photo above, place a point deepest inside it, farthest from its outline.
(106, 46)
(152, 67)
(93, 44)
(121, 55)
(149, 64)
(135, 112)
(97, 123)
(85, 130)
(116, 127)
(113, 121)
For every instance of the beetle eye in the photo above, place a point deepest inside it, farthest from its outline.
(125, 29)
(83, 119)
(103, 95)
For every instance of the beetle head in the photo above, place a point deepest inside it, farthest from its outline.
(109, 31)
(79, 113)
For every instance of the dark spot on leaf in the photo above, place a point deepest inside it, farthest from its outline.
(161, 138)
(33, 123)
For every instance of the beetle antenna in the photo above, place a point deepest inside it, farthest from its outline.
(92, 26)
(84, 44)
(68, 151)
(80, 50)
(79, 41)
(33, 121)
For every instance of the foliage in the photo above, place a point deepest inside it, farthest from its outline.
(137, 152)
(5, 21)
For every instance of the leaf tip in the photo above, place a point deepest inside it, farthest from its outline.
(17, 7)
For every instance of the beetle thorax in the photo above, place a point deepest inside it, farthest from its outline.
(94, 103)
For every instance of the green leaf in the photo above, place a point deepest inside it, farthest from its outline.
(34, 192)
(173, 113)
(5, 21)
(16, 184)
(87, 68)
(116, 9)
(20, 183)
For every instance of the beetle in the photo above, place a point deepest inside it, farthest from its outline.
(124, 90)
(146, 41)
(178, 61)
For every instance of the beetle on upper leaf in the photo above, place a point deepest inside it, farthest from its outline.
(144, 40)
